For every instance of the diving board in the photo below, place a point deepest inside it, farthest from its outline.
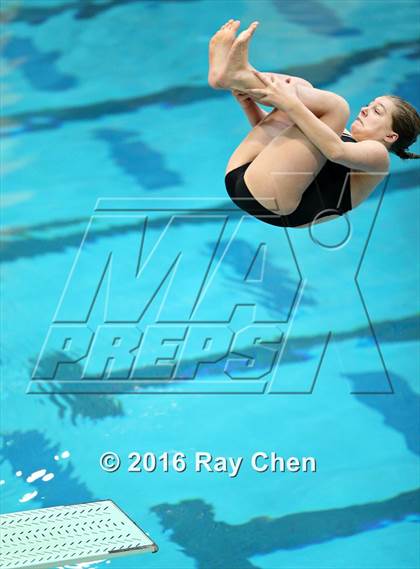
(49, 537)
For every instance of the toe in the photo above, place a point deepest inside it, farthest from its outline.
(243, 36)
(246, 34)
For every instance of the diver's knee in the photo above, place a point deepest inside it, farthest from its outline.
(291, 80)
(338, 113)
(342, 108)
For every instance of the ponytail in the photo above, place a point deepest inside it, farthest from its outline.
(406, 155)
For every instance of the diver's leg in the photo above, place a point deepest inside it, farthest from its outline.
(219, 47)
(324, 104)
(222, 55)
(286, 166)
(229, 66)
(281, 115)
(257, 139)
(225, 62)
(238, 74)
(228, 60)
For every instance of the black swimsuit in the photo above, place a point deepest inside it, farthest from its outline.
(328, 194)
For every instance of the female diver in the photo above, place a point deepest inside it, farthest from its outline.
(298, 165)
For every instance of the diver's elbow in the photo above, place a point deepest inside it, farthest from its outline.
(335, 153)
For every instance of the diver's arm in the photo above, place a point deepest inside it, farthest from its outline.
(303, 107)
(254, 113)
(367, 155)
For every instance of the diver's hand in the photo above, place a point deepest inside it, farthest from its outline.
(276, 93)
(243, 99)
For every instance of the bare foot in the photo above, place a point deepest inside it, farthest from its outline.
(219, 48)
(237, 71)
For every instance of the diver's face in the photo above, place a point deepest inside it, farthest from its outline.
(374, 121)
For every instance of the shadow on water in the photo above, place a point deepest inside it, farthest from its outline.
(30, 451)
(400, 412)
(300, 349)
(18, 242)
(83, 9)
(217, 545)
(94, 407)
(277, 290)
(137, 159)
(38, 67)
(322, 74)
(314, 16)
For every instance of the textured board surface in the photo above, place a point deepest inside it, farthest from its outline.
(48, 537)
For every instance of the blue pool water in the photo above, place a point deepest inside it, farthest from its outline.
(109, 100)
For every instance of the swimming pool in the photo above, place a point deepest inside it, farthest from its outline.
(109, 100)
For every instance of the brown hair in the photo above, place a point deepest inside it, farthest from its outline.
(406, 123)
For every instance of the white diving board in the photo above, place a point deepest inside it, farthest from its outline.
(49, 537)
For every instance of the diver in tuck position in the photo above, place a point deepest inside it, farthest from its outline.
(299, 165)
